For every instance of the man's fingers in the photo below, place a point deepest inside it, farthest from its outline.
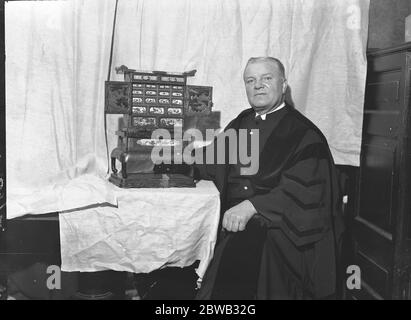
(241, 226)
(237, 226)
(226, 221)
(227, 226)
(233, 223)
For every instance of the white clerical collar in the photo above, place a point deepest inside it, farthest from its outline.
(263, 116)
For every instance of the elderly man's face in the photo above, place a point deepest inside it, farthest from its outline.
(265, 86)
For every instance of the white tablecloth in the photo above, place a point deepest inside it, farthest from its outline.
(148, 230)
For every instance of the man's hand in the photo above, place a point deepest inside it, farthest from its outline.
(236, 218)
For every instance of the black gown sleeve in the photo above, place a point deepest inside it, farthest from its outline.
(300, 203)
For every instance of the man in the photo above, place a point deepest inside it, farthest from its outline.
(280, 225)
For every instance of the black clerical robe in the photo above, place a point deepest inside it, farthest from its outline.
(288, 250)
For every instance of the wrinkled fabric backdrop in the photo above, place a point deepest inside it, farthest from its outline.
(58, 56)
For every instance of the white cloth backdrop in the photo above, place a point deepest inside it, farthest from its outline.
(58, 53)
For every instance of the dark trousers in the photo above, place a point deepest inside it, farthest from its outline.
(238, 272)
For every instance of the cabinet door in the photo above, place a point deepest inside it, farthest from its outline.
(117, 96)
(378, 211)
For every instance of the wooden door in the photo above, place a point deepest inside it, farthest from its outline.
(2, 123)
(379, 247)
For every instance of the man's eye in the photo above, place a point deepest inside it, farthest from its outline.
(250, 81)
(268, 78)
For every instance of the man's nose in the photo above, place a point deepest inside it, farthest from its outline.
(258, 84)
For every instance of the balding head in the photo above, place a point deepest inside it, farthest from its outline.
(265, 83)
(267, 59)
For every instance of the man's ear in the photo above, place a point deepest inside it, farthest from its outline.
(285, 85)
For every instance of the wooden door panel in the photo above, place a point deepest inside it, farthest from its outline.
(384, 124)
(374, 255)
(379, 210)
(366, 293)
(373, 274)
(383, 63)
(374, 243)
(383, 94)
(376, 185)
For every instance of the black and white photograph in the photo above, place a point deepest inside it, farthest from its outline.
(216, 153)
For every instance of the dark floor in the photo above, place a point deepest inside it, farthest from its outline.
(165, 284)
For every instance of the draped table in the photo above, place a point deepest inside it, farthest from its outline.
(149, 229)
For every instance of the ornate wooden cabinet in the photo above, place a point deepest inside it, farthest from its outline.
(382, 224)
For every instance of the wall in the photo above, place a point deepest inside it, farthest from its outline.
(387, 22)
